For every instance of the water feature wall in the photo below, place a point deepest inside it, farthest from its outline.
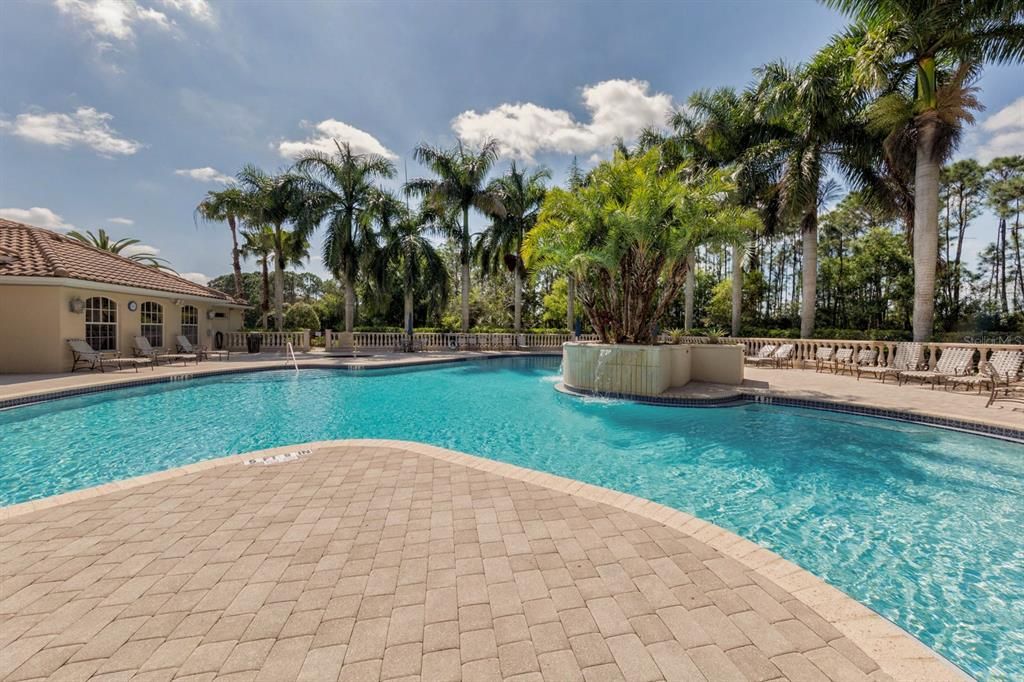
(648, 370)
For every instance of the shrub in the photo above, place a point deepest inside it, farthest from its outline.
(301, 316)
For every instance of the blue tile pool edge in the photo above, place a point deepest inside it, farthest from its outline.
(740, 398)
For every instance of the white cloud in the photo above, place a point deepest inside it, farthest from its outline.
(326, 132)
(86, 127)
(121, 221)
(199, 10)
(205, 174)
(140, 248)
(1005, 130)
(197, 277)
(113, 19)
(617, 108)
(38, 216)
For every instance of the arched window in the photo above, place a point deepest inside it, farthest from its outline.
(190, 323)
(152, 323)
(101, 323)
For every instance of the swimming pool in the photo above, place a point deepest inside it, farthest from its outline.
(924, 525)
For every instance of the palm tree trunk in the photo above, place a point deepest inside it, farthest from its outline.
(408, 319)
(465, 269)
(350, 301)
(236, 263)
(570, 305)
(279, 290)
(737, 288)
(926, 230)
(265, 303)
(691, 282)
(518, 301)
(809, 232)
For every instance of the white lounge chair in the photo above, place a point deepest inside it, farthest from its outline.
(908, 358)
(185, 346)
(842, 360)
(866, 357)
(763, 355)
(83, 354)
(143, 349)
(953, 362)
(823, 358)
(1003, 369)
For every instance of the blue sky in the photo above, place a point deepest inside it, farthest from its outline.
(120, 115)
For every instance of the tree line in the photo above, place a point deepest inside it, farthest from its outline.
(881, 109)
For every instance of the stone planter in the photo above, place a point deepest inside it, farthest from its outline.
(648, 370)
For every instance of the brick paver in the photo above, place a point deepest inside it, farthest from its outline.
(372, 562)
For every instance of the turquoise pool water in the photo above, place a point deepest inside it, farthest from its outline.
(924, 525)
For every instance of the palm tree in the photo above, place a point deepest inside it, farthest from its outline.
(120, 247)
(407, 249)
(921, 57)
(626, 237)
(340, 188)
(259, 244)
(718, 129)
(228, 205)
(521, 195)
(274, 201)
(814, 116)
(460, 184)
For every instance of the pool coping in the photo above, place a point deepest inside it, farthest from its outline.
(897, 652)
(742, 396)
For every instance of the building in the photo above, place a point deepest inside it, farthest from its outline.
(53, 288)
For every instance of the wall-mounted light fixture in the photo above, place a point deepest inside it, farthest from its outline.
(178, 302)
(76, 305)
(210, 314)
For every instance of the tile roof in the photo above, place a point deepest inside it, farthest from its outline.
(27, 251)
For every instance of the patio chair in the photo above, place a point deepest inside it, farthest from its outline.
(764, 354)
(202, 352)
(953, 362)
(841, 360)
(823, 357)
(144, 350)
(83, 354)
(908, 357)
(1004, 367)
(866, 357)
(1001, 384)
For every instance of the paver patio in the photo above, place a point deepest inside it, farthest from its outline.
(385, 561)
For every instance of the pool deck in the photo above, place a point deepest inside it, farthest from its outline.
(366, 560)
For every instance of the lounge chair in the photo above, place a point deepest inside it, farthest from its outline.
(866, 357)
(1004, 366)
(1001, 384)
(763, 355)
(83, 354)
(908, 357)
(823, 357)
(185, 346)
(144, 350)
(841, 359)
(953, 362)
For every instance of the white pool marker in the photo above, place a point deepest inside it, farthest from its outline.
(282, 458)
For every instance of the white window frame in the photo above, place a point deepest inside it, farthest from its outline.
(94, 312)
(186, 327)
(153, 331)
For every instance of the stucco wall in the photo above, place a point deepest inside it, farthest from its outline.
(37, 321)
(30, 334)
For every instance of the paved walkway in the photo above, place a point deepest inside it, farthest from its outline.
(380, 560)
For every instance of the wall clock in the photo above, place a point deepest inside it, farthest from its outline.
(132, 305)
